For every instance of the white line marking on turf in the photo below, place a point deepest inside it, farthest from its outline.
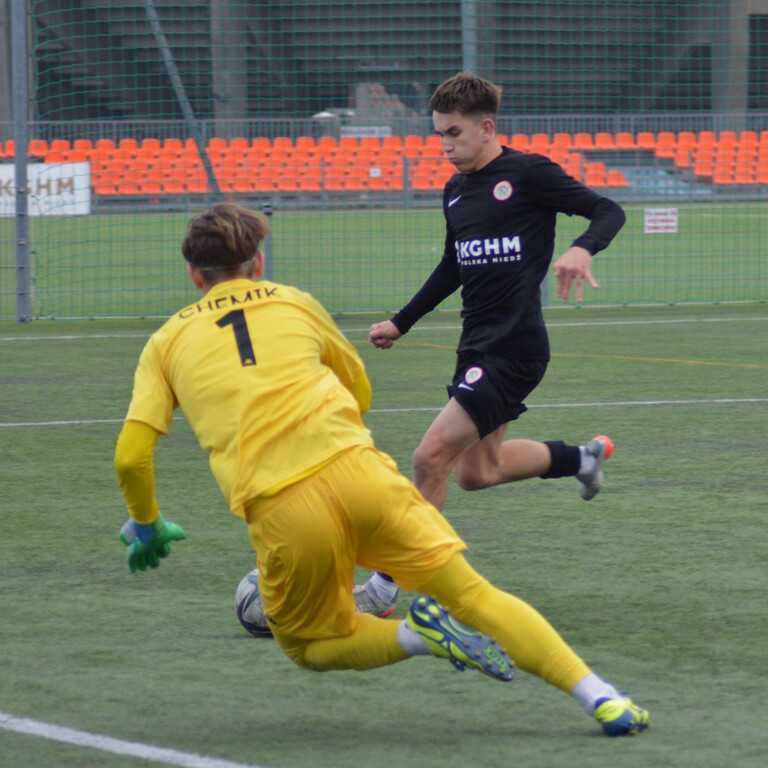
(578, 324)
(588, 323)
(115, 746)
(621, 404)
(78, 422)
(78, 336)
(618, 403)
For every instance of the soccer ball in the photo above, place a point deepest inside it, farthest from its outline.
(248, 605)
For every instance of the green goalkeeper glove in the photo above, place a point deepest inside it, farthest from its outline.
(148, 543)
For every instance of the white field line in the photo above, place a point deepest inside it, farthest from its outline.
(416, 328)
(434, 409)
(115, 746)
(589, 323)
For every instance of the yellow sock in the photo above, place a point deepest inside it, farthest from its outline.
(529, 639)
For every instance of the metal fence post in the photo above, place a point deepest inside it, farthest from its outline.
(19, 66)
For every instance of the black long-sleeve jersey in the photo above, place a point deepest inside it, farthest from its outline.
(500, 236)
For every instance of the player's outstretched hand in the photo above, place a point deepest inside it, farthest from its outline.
(572, 268)
(384, 335)
(148, 543)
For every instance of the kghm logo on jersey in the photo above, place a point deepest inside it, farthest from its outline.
(473, 374)
(503, 190)
(490, 250)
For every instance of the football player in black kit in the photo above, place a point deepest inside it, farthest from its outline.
(500, 211)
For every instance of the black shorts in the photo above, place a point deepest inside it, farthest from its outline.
(492, 389)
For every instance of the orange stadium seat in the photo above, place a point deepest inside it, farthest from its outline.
(747, 140)
(625, 140)
(239, 144)
(261, 143)
(666, 144)
(682, 157)
(263, 182)
(726, 139)
(723, 177)
(308, 184)
(75, 156)
(706, 140)
(381, 177)
(595, 174)
(761, 172)
(520, 142)
(412, 145)
(370, 142)
(151, 145)
(150, 182)
(306, 143)
(392, 143)
(646, 140)
(216, 144)
(725, 155)
(432, 147)
(129, 182)
(104, 144)
(348, 143)
(616, 178)
(282, 144)
(583, 141)
(174, 184)
(37, 148)
(539, 143)
(686, 140)
(558, 155)
(85, 144)
(422, 178)
(573, 164)
(745, 176)
(106, 189)
(723, 170)
(604, 141)
(326, 144)
(703, 168)
(334, 177)
(127, 144)
(704, 153)
(431, 173)
(59, 145)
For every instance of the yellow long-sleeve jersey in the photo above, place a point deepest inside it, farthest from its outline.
(269, 385)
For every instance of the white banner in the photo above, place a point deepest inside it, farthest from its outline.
(660, 220)
(54, 189)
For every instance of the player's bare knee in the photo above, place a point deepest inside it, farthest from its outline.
(471, 478)
(427, 462)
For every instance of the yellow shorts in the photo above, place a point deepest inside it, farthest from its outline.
(358, 509)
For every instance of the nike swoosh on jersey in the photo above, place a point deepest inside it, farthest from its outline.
(454, 200)
(462, 385)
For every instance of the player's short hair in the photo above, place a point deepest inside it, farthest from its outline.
(224, 237)
(467, 94)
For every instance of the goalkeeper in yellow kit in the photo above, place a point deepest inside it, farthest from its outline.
(274, 393)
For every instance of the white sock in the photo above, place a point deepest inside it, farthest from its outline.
(590, 689)
(409, 641)
(586, 460)
(385, 589)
